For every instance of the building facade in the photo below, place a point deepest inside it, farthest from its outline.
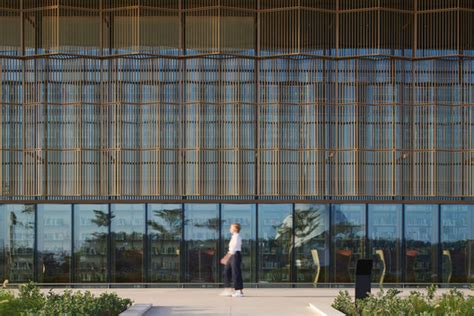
(134, 131)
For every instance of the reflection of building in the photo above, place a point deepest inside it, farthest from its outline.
(321, 108)
(16, 242)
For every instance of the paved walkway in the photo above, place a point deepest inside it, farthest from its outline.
(256, 302)
(207, 302)
(259, 302)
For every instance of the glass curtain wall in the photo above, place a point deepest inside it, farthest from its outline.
(312, 242)
(128, 232)
(164, 242)
(54, 243)
(282, 243)
(275, 242)
(201, 235)
(457, 243)
(91, 242)
(348, 238)
(385, 241)
(17, 232)
(421, 243)
(245, 215)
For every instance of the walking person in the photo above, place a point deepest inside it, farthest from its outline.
(232, 262)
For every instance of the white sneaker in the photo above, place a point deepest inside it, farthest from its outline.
(226, 293)
(238, 294)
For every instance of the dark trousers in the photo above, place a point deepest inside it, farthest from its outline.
(232, 272)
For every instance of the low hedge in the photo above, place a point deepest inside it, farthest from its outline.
(29, 301)
(452, 303)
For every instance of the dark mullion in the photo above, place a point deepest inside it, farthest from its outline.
(182, 252)
(440, 249)
(219, 250)
(403, 275)
(293, 276)
(72, 270)
(257, 243)
(35, 246)
(367, 247)
(146, 254)
(330, 245)
(109, 245)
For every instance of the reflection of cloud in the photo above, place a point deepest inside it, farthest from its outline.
(308, 234)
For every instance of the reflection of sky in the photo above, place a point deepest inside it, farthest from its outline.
(421, 222)
(85, 228)
(128, 218)
(244, 214)
(54, 228)
(201, 221)
(19, 233)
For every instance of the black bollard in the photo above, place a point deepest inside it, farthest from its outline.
(363, 278)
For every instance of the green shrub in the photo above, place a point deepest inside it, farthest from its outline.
(343, 302)
(452, 303)
(30, 301)
(83, 303)
(6, 299)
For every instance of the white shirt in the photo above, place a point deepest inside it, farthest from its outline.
(235, 243)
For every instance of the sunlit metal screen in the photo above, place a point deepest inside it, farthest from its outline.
(244, 98)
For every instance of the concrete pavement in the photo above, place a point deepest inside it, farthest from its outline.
(256, 302)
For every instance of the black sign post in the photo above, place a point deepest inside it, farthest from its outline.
(363, 278)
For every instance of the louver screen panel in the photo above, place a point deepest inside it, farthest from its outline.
(228, 99)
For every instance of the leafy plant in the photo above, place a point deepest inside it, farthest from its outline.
(343, 302)
(6, 299)
(31, 301)
(452, 303)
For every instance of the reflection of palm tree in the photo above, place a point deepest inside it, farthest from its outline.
(212, 224)
(97, 242)
(102, 219)
(28, 210)
(171, 229)
(127, 246)
(165, 233)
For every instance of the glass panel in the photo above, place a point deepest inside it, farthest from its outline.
(128, 229)
(275, 227)
(312, 242)
(201, 236)
(457, 243)
(91, 229)
(349, 239)
(244, 214)
(385, 236)
(421, 238)
(54, 243)
(164, 241)
(17, 233)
